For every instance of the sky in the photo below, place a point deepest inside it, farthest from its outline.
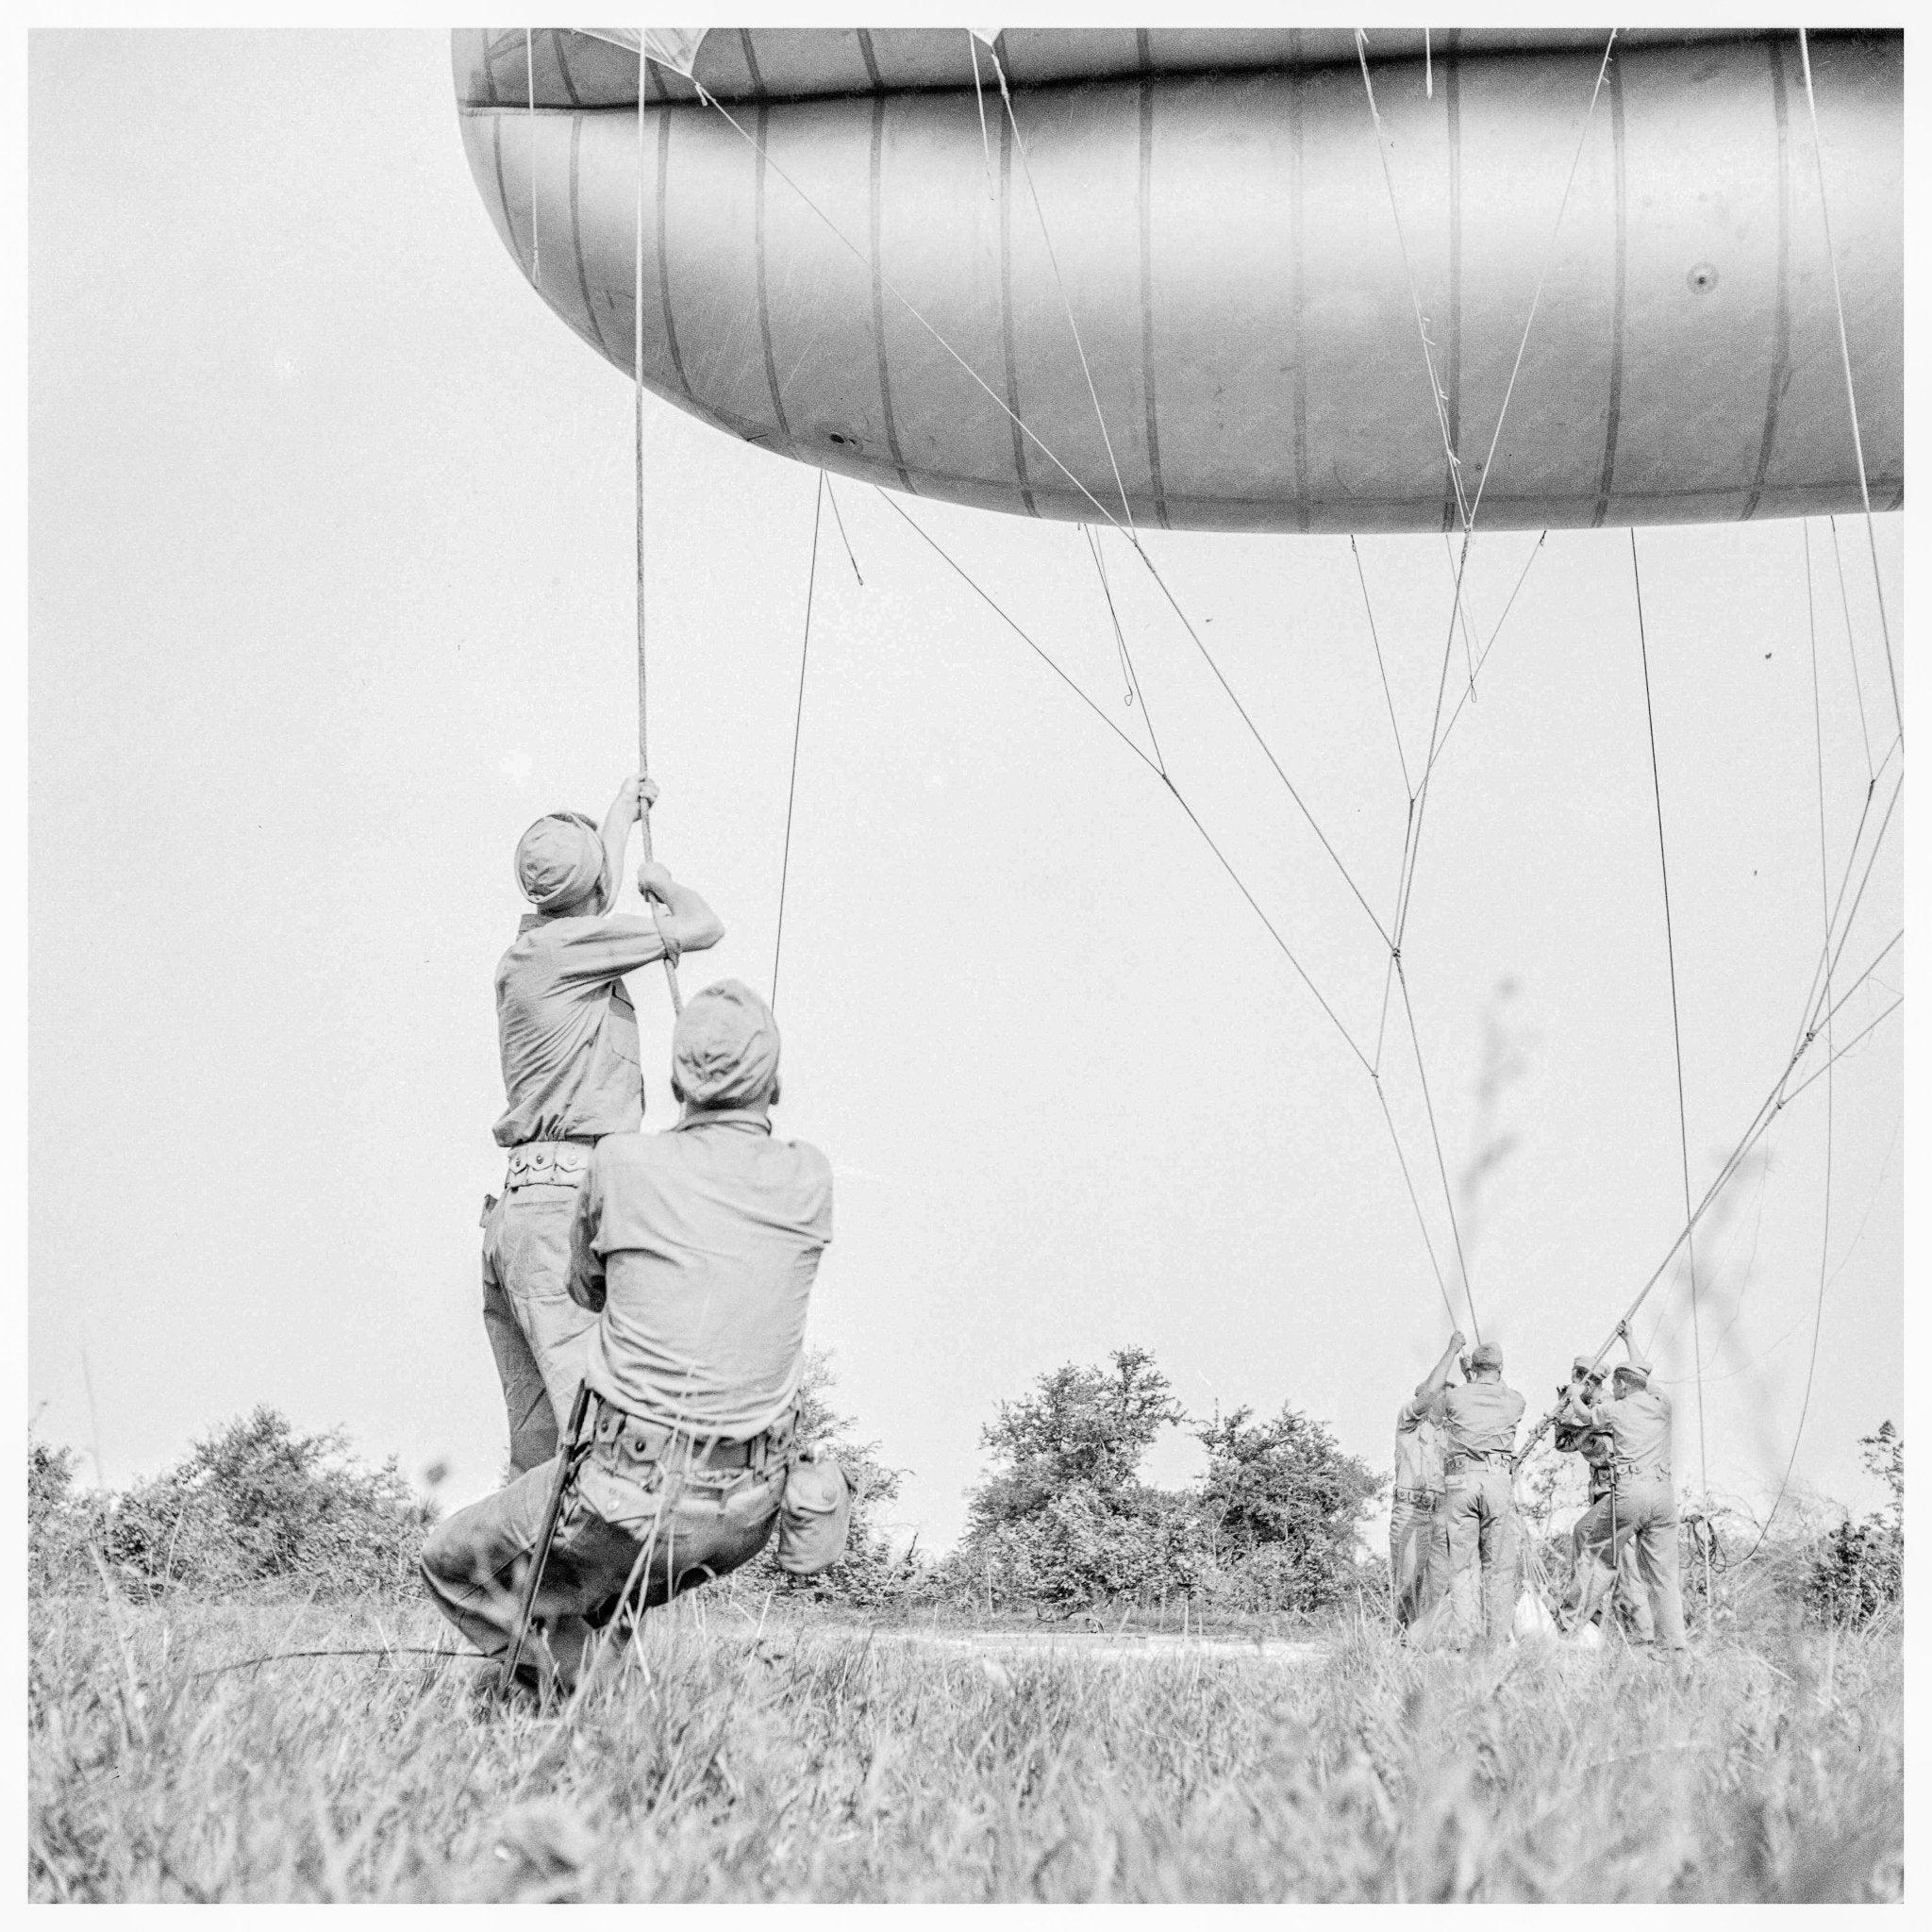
(331, 593)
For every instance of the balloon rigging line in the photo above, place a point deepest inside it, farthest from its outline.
(1884, 1014)
(1851, 643)
(1851, 396)
(979, 102)
(1549, 261)
(797, 730)
(886, 282)
(1483, 656)
(1011, 625)
(1663, 860)
(1462, 613)
(1120, 639)
(1442, 1165)
(1441, 744)
(1240, 885)
(1436, 396)
(1127, 531)
(1375, 637)
(637, 369)
(1053, 259)
(1830, 1096)
(1774, 1102)
(832, 497)
(1415, 1202)
(1267, 750)
(1412, 835)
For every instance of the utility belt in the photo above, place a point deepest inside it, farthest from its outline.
(1423, 1499)
(552, 1164)
(1454, 1464)
(630, 1439)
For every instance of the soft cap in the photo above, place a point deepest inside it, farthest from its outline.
(1637, 1368)
(560, 862)
(725, 1047)
(1486, 1354)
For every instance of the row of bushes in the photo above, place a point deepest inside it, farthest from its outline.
(253, 1503)
(1062, 1523)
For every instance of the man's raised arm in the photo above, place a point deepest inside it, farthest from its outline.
(689, 925)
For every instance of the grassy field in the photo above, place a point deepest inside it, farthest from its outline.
(808, 1760)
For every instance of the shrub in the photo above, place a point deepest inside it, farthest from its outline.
(252, 1504)
(1857, 1567)
(1282, 1501)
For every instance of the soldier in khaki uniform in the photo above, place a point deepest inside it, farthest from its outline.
(1642, 1508)
(694, 1252)
(1599, 1454)
(1478, 1421)
(1418, 1545)
(568, 1040)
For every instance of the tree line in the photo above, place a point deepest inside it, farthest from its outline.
(1062, 1521)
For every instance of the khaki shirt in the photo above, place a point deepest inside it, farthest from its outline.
(1637, 1426)
(1418, 1448)
(700, 1245)
(1478, 1418)
(567, 1030)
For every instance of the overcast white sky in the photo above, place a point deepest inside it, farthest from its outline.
(331, 595)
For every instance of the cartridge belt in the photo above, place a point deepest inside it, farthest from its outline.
(554, 1164)
(1421, 1498)
(633, 1440)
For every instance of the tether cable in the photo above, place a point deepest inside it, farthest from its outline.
(1126, 530)
(1663, 860)
(638, 451)
(1240, 885)
(797, 731)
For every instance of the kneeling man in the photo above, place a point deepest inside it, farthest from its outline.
(697, 1247)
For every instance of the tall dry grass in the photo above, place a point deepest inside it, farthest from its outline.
(835, 1763)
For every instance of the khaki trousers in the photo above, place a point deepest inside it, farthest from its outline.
(539, 1336)
(1629, 1594)
(1418, 1558)
(1479, 1518)
(1646, 1517)
(671, 1527)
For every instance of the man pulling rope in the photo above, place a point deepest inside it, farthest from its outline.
(568, 1035)
(694, 1253)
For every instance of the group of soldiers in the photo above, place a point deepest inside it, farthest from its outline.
(645, 1295)
(1451, 1529)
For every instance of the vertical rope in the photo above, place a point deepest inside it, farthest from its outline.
(637, 365)
(1844, 349)
(1066, 302)
(1677, 1027)
(811, 583)
(832, 497)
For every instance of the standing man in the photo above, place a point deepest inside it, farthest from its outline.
(1629, 1599)
(1642, 1508)
(1478, 1421)
(1418, 1547)
(696, 1250)
(568, 1040)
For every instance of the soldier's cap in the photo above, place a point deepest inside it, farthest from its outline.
(1637, 1368)
(1583, 1365)
(560, 862)
(725, 1047)
(1486, 1354)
